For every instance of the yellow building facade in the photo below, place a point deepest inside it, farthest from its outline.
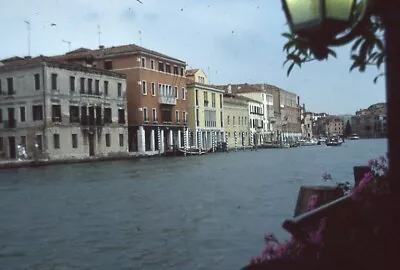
(205, 111)
(236, 121)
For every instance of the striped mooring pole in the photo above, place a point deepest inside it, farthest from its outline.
(226, 140)
(243, 138)
(159, 140)
(235, 141)
(251, 139)
(184, 140)
(199, 140)
(213, 140)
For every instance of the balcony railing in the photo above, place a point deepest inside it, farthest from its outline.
(167, 99)
(10, 124)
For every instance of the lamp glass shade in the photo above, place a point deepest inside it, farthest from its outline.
(303, 13)
(339, 10)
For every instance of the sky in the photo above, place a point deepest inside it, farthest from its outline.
(233, 41)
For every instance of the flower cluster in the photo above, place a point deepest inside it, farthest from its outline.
(373, 182)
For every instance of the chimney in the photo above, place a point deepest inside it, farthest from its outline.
(229, 89)
(28, 57)
(298, 100)
(101, 47)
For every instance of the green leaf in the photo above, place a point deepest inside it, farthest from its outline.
(354, 65)
(290, 69)
(287, 35)
(356, 44)
(289, 45)
(332, 53)
(295, 58)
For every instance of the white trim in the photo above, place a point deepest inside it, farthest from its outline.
(176, 89)
(183, 93)
(154, 113)
(145, 115)
(155, 90)
(143, 62)
(144, 85)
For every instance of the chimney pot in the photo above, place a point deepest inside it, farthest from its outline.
(101, 47)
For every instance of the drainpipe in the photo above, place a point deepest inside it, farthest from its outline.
(44, 146)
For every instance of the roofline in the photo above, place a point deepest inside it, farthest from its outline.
(201, 86)
(67, 66)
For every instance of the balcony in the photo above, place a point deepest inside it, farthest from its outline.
(167, 99)
(10, 124)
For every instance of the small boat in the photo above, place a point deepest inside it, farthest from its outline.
(353, 137)
(189, 152)
(334, 141)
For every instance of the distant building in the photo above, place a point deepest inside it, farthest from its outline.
(307, 127)
(237, 134)
(205, 107)
(370, 122)
(329, 125)
(59, 110)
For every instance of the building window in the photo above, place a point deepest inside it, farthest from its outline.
(73, 114)
(23, 141)
(97, 87)
(205, 99)
(176, 92)
(197, 97)
(74, 141)
(184, 115)
(90, 86)
(233, 120)
(10, 86)
(168, 68)
(119, 89)
(161, 66)
(177, 116)
(121, 116)
(108, 65)
(145, 114)
(152, 64)
(56, 113)
(182, 73)
(37, 82)
(153, 89)
(213, 100)
(143, 61)
(221, 117)
(72, 84)
(54, 81)
(159, 89)
(197, 117)
(144, 88)
(108, 140)
(176, 70)
(106, 88)
(228, 120)
(82, 85)
(121, 140)
(22, 114)
(154, 114)
(183, 93)
(37, 112)
(220, 101)
(56, 141)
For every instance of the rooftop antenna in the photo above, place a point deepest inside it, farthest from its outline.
(99, 33)
(69, 44)
(29, 37)
(140, 38)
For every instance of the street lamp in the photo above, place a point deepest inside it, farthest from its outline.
(319, 22)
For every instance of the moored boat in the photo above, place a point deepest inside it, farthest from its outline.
(353, 137)
(334, 141)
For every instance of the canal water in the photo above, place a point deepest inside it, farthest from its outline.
(208, 212)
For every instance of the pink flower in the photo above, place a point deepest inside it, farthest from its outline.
(312, 202)
(368, 177)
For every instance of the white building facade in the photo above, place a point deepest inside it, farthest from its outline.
(61, 111)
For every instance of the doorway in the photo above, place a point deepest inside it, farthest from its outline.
(12, 147)
(91, 144)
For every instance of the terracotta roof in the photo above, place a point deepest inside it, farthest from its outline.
(191, 72)
(249, 88)
(11, 59)
(130, 48)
